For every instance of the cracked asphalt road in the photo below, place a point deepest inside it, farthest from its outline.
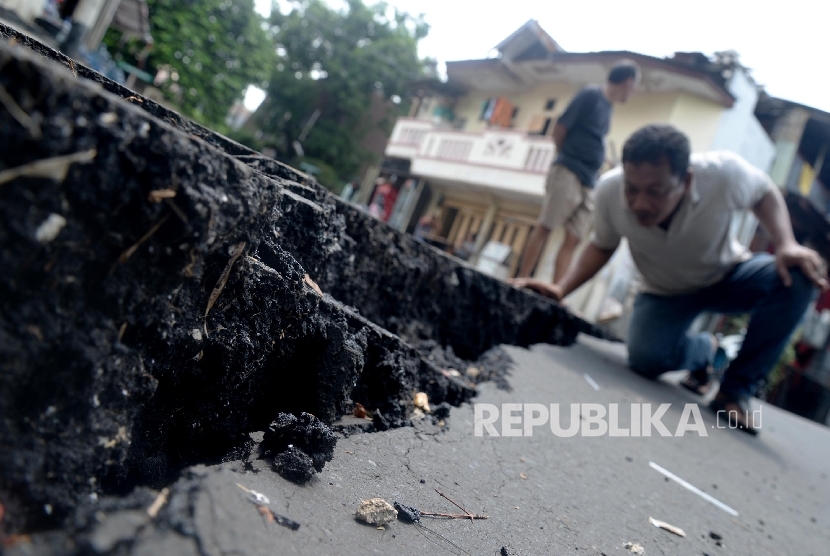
(543, 494)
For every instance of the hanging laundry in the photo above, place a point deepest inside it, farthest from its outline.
(502, 115)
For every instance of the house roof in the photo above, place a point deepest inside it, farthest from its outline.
(446, 88)
(527, 38)
(659, 75)
(530, 56)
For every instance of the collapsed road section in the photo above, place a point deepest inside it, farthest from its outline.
(166, 292)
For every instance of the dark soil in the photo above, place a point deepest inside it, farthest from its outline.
(146, 337)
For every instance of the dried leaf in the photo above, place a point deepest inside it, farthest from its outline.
(157, 504)
(158, 195)
(214, 295)
(307, 279)
(422, 402)
(670, 528)
(19, 114)
(132, 249)
(359, 411)
(54, 168)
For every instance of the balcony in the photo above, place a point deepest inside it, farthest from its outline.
(505, 162)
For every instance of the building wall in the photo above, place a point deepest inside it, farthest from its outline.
(739, 130)
(532, 102)
(641, 109)
(698, 118)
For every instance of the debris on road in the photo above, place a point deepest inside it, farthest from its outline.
(299, 445)
(159, 195)
(714, 536)
(408, 514)
(158, 503)
(422, 402)
(270, 516)
(668, 527)
(376, 511)
(634, 548)
(454, 516)
(360, 411)
(312, 284)
(294, 464)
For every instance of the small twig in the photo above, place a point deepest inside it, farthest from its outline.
(158, 195)
(54, 168)
(157, 504)
(72, 67)
(175, 208)
(454, 516)
(220, 284)
(132, 249)
(19, 114)
(457, 505)
(134, 98)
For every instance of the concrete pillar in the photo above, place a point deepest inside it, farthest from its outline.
(99, 29)
(484, 230)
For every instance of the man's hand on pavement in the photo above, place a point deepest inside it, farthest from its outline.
(539, 286)
(810, 263)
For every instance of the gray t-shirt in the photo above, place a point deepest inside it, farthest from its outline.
(700, 246)
(587, 119)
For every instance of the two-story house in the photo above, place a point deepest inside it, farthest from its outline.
(478, 146)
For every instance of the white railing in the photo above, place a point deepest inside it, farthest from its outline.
(409, 132)
(412, 136)
(501, 159)
(539, 158)
(506, 150)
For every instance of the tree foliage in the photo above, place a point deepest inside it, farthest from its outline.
(211, 50)
(335, 61)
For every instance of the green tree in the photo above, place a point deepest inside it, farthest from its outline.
(211, 50)
(335, 61)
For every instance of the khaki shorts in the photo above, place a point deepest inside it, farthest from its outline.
(567, 202)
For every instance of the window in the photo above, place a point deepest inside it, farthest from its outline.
(550, 104)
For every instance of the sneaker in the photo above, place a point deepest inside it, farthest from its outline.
(737, 411)
(702, 381)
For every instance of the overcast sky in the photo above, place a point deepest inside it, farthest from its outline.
(784, 43)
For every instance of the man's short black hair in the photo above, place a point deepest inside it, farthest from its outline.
(623, 71)
(655, 142)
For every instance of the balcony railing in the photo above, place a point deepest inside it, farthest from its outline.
(503, 149)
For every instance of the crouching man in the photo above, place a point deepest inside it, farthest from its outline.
(675, 209)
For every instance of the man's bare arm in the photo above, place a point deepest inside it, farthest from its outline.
(590, 261)
(772, 212)
(559, 133)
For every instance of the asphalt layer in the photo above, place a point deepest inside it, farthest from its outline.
(543, 494)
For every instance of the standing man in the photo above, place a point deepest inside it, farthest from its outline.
(676, 211)
(579, 135)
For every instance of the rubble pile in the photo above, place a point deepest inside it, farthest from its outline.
(158, 300)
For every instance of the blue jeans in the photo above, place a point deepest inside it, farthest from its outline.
(658, 338)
